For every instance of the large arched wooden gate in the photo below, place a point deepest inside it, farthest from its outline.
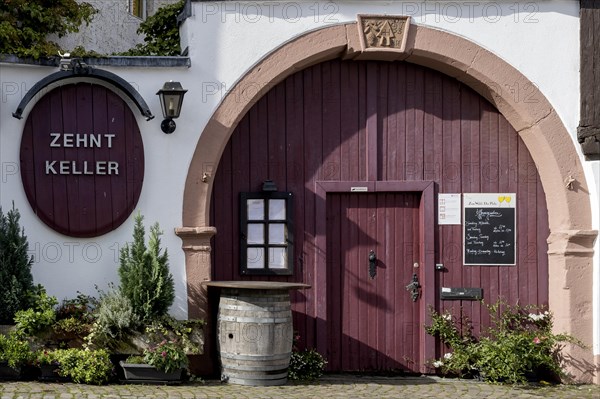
(386, 125)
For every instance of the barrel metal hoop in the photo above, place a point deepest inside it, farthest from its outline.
(257, 320)
(236, 356)
(257, 308)
(256, 368)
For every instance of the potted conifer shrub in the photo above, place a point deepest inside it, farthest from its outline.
(144, 273)
(148, 285)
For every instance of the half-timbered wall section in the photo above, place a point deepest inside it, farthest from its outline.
(378, 121)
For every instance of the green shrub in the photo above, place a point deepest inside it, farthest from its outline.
(144, 272)
(80, 308)
(40, 316)
(518, 344)
(135, 359)
(72, 325)
(306, 365)
(185, 332)
(90, 367)
(15, 265)
(46, 356)
(14, 350)
(83, 366)
(114, 320)
(74, 317)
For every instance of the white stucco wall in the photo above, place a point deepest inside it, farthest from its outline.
(66, 265)
(225, 40)
(112, 30)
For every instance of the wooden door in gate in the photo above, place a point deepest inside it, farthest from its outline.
(373, 249)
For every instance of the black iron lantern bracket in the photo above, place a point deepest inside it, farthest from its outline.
(171, 100)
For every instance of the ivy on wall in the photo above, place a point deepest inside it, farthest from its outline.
(26, 24)
(162, 33)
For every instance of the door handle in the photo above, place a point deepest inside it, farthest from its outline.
(413, 288)
(372, 264)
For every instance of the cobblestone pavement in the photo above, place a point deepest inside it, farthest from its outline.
(328, 387)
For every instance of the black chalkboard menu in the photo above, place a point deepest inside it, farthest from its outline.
(489, 229)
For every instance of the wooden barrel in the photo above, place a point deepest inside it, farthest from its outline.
(254, 333)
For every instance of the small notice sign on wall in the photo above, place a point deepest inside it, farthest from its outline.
(449, 209)
(489, 229)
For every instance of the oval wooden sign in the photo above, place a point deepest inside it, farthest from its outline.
(82, 160)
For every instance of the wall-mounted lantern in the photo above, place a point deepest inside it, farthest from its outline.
(171, 100)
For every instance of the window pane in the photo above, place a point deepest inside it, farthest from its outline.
(276, 233)
(256, 233)
(277, 258)
(255, 258)
(276, 209)
(256, 209)
(136, 8)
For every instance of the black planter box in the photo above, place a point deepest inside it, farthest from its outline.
(144, 373)
(8, 373)
(49, 373)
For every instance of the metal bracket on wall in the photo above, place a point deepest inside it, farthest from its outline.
(80, 70)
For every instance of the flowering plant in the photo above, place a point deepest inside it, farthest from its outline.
(518, 344)
(45, 357)
(307, 364)
(166, 356)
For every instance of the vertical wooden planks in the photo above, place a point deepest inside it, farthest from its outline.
(423, 126)
(223, 266)
(294, 119)
(335, 221)
(587, 132)
(276, 135)
(59, 185)
(102, 182)
(351, 142)
(86, 187)
(69, 98)
(331, 122)
(314, 240)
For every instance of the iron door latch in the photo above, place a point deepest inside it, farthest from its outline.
(413, 288)
(372, 264)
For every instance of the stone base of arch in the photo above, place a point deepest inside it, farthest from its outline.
(197, 248)
(551, 146)
(570, 286)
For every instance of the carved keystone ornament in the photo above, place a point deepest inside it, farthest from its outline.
(379, 32)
